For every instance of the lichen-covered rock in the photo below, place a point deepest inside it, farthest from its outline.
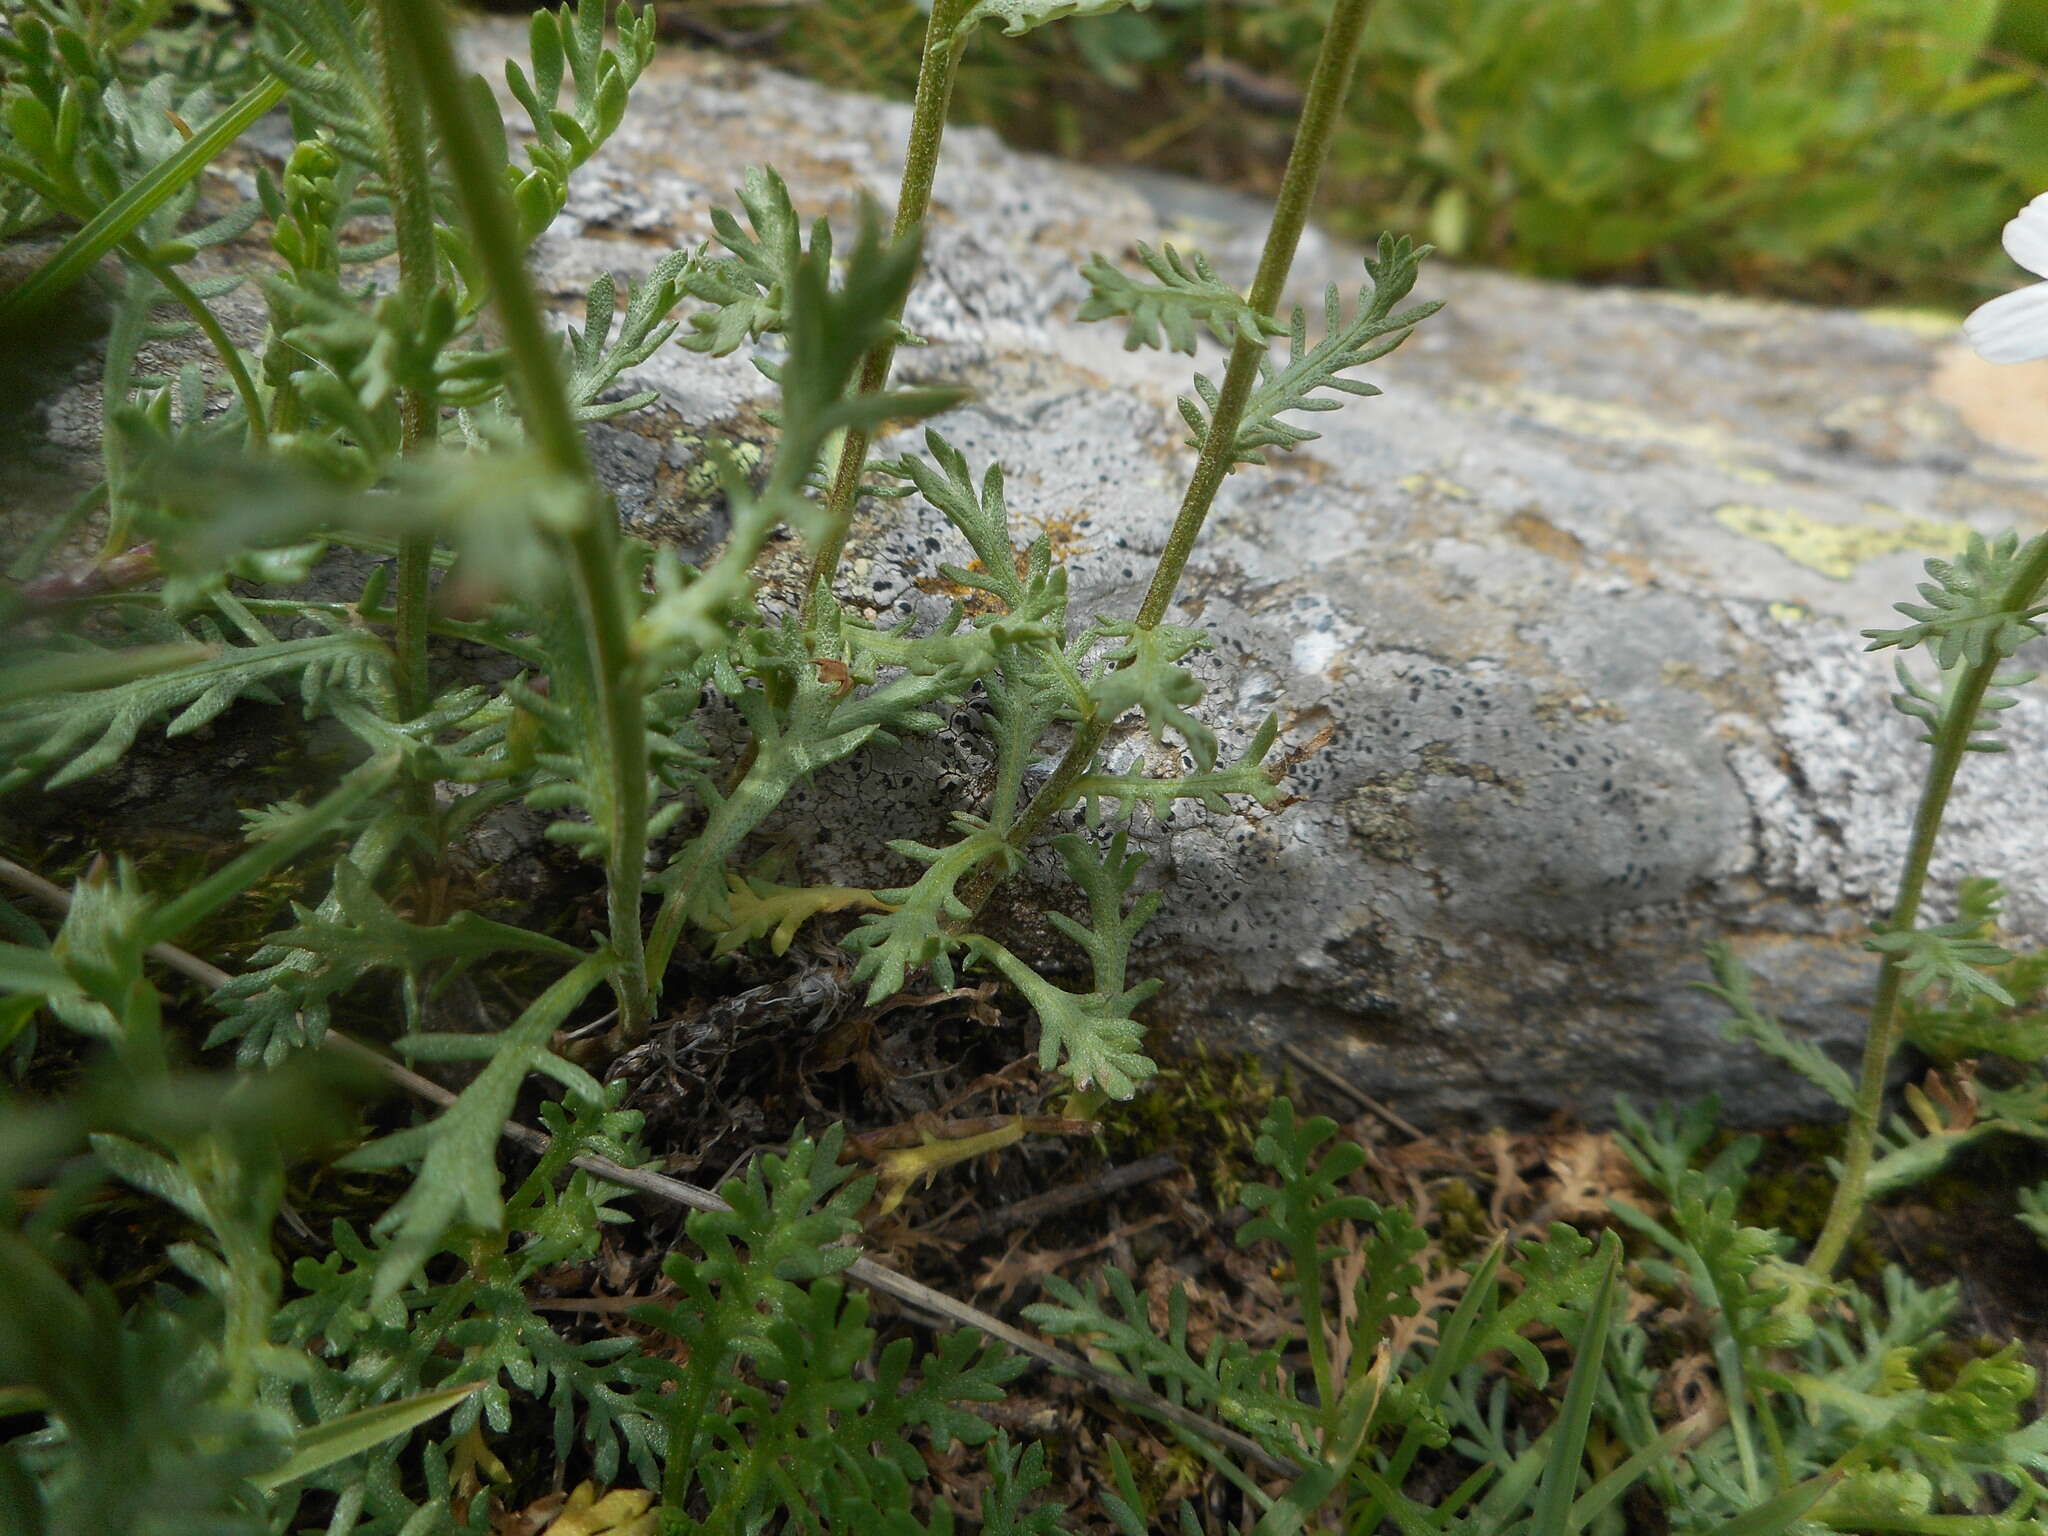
(1562, 630)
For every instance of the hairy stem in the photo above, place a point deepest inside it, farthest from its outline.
(1882, 1041)
(595, 573)
(409, 181)
(935, 73)
(407, 176)
(1328, 85)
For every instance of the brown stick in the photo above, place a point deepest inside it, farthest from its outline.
(1103, 1184)
(876, 1277)
(1358, 1095)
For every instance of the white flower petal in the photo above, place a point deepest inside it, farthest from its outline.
(2012, 328)
(2026, 236)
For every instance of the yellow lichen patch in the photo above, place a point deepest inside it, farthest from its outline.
(1934, 324)
(1432, 484)
(1062, 535)
(1790, 613)
(1604, 421)
(1835, 550)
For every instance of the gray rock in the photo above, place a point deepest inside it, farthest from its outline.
(1562, 631)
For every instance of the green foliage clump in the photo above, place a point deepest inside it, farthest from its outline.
(387, 419)
(362, 1388)
(1814, 149)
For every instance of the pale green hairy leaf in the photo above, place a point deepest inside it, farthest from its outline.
(88, 731)
(458, 1177)
(1016, 17)
(1188, 295)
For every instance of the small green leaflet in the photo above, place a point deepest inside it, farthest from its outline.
(1143, 673)
(1187, 294)
(1020, 16)
(1975, 608)
(1090, 1035)
(458, 1177)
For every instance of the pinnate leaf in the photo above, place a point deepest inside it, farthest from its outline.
(1016, 17)
(1972, 610)
(1144, 673)
(458, 1150)
(1187, 295)
(1371, 334)
(1090, 1036)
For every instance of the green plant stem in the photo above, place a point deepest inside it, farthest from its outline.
(255, 1278)
(935, 72)
(1846, 1209)
(1882, 1041)
(1328, 85)
(1308, 1287)
(409, 182)
(595, 573)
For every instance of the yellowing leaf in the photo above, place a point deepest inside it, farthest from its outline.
(902, 1167)
(622, 1512)
(760, 909)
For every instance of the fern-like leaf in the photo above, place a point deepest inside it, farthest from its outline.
(1091, 1035)
(1016, 17)
(1143, 673)
(1306, 1199)
(1250, 1391)
(87, 732)
(1932, 707)
(363, 933)
(1372, 333)
(980, 514)
(458, 1179)
(1747, 1022)
(760, 909)
(1972, 612)
(919, 931)
(596, 360)
(1187, 295)
(572, 40)
(750, 289)
(1015, 1479)
(1248, 776)
(1951, 953)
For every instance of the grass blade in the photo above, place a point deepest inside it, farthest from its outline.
(119, 219)
(322, 1445)
(1554, 1495)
